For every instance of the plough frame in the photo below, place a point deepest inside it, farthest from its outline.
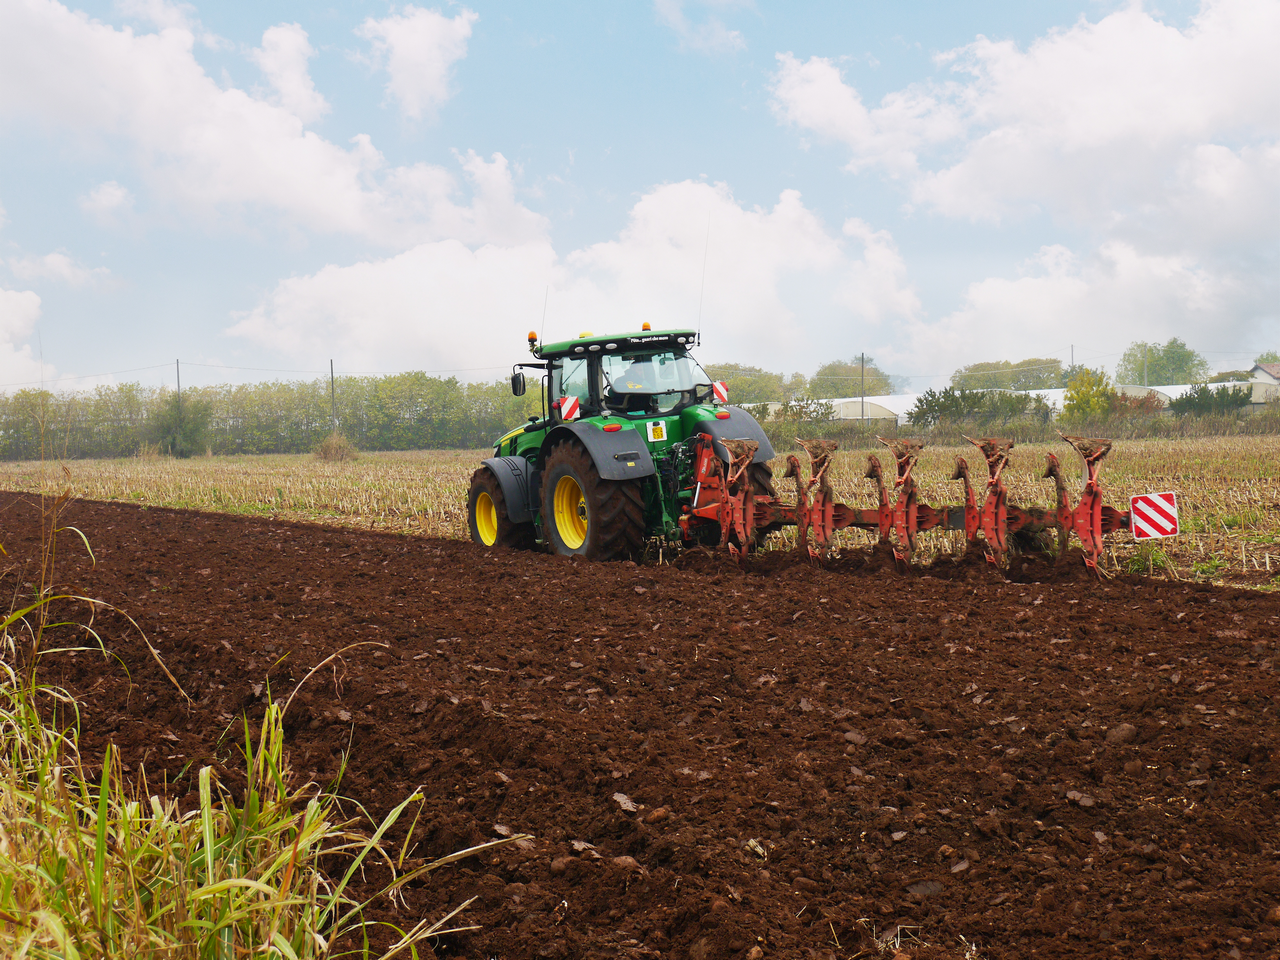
(723, 496)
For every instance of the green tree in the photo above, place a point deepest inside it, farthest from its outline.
(180, 425)
(1202, 400)
(804, 410)
(844, 378)
(1034, 373)
(1069, 373)
(948, 405)
(1271, 356)
(993, 375)
(1174, 362)
(1230, 376)
(754, 385)
(985, 408)
(28, 423)
(1089, 396)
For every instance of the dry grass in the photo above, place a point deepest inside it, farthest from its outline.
(335, 448)
(1228, 491)
(93, 865)
(417, 491)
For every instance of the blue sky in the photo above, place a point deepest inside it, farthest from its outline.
(258, 188)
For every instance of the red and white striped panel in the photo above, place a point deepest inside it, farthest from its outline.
(569, 408)
(721, 391)
(1153, 515)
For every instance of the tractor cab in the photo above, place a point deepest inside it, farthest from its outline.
(637, 375)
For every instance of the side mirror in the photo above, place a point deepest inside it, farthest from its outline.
(518, 383)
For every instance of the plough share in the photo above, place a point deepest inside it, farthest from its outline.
(723, 496)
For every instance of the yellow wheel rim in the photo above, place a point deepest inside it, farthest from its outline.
(486, 519)
(570, 506)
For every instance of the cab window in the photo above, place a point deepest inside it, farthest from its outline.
(571, 378)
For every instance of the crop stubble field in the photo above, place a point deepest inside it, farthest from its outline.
(1228, 493)
(834, 760)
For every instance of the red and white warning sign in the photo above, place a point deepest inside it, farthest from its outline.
(568, 408)
(1153, 515)
(721, 391)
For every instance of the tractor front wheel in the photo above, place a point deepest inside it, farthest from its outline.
(487, 515)
(585, 515)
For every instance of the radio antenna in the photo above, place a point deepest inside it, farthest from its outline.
(703, 287)
(545, 296)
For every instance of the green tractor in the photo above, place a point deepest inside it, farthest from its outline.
(630, 446)
(636, 443)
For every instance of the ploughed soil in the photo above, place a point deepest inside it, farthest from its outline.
(792, 760)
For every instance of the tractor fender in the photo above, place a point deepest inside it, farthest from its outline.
(622, 455)
(514, 476)
(740, 426)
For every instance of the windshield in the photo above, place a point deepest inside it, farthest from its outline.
(665, 372)
(650, 382)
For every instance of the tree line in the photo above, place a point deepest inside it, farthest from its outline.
(837, 378)
(1172, 362)
(406, 411)
(414, 411)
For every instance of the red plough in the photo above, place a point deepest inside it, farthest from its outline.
(725, 496)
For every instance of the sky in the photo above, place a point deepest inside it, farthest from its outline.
(255, 190)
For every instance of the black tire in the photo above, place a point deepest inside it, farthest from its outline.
(760, 476)
(586, 516)
(487, 515)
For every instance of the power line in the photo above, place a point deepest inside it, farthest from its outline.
(219, 366)
(84, 376)
(350, 373)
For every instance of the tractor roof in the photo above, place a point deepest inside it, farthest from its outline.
(591, 343)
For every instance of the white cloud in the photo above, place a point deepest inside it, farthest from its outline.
(1154, 150)
(439, 305)
(19, 311)
(223, 152)
(418, 48)
(710, 36)
(814, 96)
(107, 201)
(1085, 122)
(161, 14)
(56, 266)
(283, 60)
(1113, 297)
(776, 280)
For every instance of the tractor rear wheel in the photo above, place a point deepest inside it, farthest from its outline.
(761, 477)
(588, 516)
(488, 518)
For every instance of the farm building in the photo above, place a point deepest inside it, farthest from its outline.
(1265, 373)
(1263, 390)
(1166, 393)
(895, 407)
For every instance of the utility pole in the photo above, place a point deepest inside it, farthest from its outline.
(178, 366)
(864, 389)
(1144, 364)
(333, 398)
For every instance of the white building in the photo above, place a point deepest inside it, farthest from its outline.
(894, 407)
